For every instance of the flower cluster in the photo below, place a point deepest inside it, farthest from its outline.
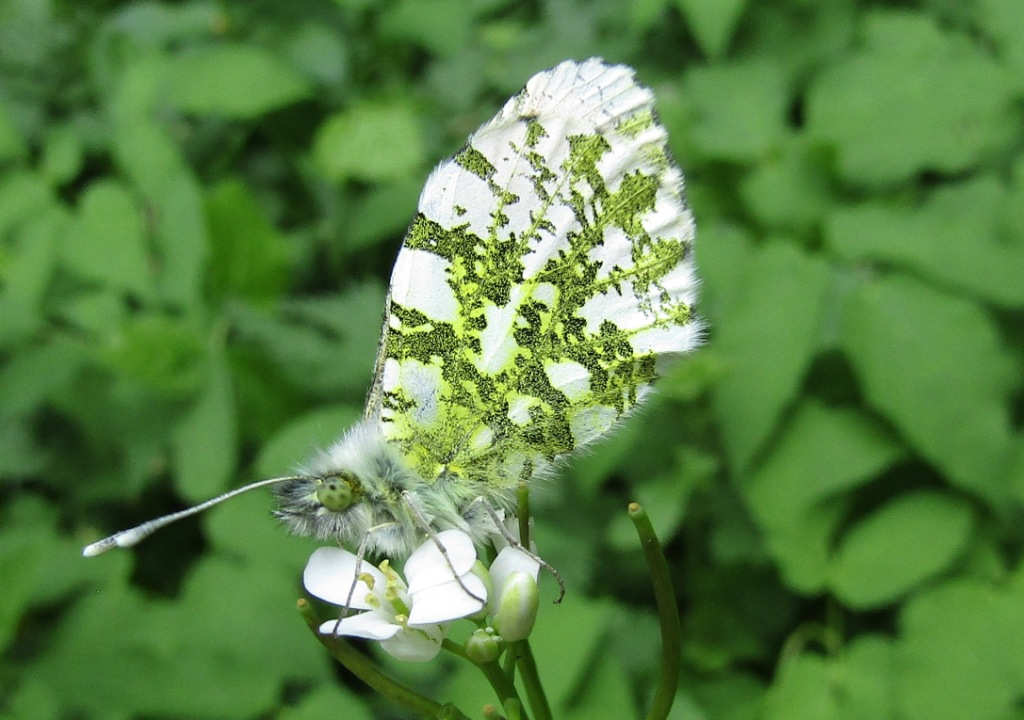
(411, 617)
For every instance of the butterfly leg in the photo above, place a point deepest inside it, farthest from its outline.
(432, 534)
(346, 609)
(513, 542)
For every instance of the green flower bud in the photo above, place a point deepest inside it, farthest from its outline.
(517, 607)
(483, 646)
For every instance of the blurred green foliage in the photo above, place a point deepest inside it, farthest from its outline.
(199, 206)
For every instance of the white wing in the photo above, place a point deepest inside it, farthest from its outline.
(547, 275)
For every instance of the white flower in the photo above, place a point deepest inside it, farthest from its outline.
(410, 619)
(515, 599)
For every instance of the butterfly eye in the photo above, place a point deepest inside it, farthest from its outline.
(335, 494)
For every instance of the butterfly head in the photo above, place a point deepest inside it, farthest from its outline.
(337, 493)
(331, 505)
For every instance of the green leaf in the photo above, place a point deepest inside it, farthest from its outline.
(233, 80)
(63, 154)
(32, 700)
(606, 687)
(1011, 214)
(724, 255)
(107, 244)
(643, 14)
(192, 658)
(320, 52)
(100, 313)
(138, 93)
(21, 456)
(443, 27)
(327, 701)
(767, 338)
(853, 686)
(915, 98)
(154, 164)
(959, 654)
(374, 142)
(802, 691)
(954, 238)
(205, 444)
(906, 542)
(934, 365)
(739, 109)
(32, 262)
(24, 557)
(248, 257)
(821, 453)
(1016, 474)
(722, 696)
(797, 493)
(37, 373)
(154, 25)
(790, 190)
(325, 344)
(712, 22)
(803, 550)
(22, 196)
(382, 214)
(12, 145)
(1003, 20)
(163, 354)
(46, 565)
(867, 671)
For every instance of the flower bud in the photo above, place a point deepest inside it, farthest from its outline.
(483, 646)
(517, 607)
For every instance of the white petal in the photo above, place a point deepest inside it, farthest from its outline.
(510, 560)
(367, 625)
(331, 573)
(448, 601)
(416, 645)
(427, 566)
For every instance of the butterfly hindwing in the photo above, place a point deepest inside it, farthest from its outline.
(546, 276)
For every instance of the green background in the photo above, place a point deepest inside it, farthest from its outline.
(199, 206)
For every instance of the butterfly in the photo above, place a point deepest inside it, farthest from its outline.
(546, 281)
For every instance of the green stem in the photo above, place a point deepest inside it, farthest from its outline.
(523, 513)
(502, 684)
(531, 681)
(364, 669)
(521, 651)
(668, 614)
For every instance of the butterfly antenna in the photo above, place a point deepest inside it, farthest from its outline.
(514, 542)
(128, 538)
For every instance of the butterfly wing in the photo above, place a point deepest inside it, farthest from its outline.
(545, 279)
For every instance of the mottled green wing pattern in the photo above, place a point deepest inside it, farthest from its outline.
(544, 282)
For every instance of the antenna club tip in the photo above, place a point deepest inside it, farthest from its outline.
(93, 550)
(101, 546)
